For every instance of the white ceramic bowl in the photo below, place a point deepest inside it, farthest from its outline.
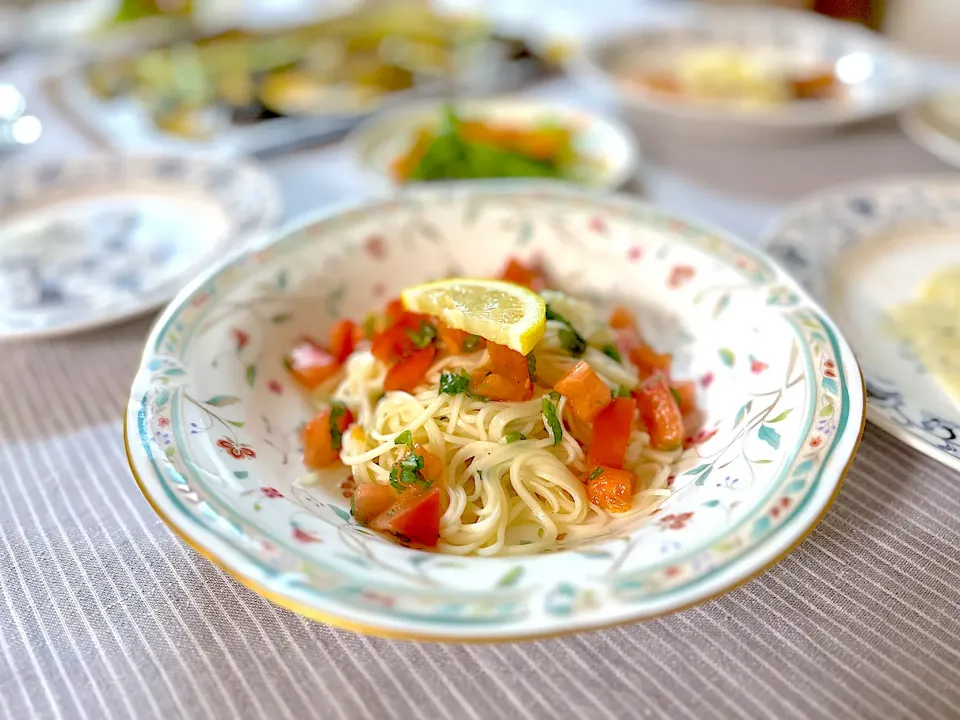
(610, 153)
(212, 421)
(877, 81)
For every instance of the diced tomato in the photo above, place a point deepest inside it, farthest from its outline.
(371, 499)
(409, 372)
(611, 488)
(585, 391)
(392, 344)
(310, 364)
(456, 342)
(660, 413)
(341, 339)
(432, 470)
(509, 363)
(394, 310)
(495, 386)
(359, 334)
(649, 362)
(611, 433)
(532, 277)
(416, 516)
(622, 318)
(318, 444)
(686, 391)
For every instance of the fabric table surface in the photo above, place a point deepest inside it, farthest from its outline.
(104, 613)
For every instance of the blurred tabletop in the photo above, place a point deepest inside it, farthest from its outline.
(104, 613)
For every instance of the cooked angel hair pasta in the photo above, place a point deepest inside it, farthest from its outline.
(454, 461)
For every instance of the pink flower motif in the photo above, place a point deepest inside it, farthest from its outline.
(676, 521)
(275, 387)
(163, 422)
(756, 366)
(270, 492)
(816, 442)
(303, 536)
(672, 571)
(680, 275)
(706, 380)
(241, 338)
(239, 451)
(374, 246)
(635, 253)
(377, 598)
(742, 263)
(348, 486)
(782, 505)
(200, 299)
(597, 224)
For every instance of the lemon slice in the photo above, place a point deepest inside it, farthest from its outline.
(500, 312)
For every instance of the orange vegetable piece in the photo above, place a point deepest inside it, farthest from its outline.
(649, 361)
(310, 364)
(494, 386)
(318, 446)
(454, 340)
(371, 499)
(432, 470)
(394, 310)
(509, 363)
(416, 516)
(611, 489)
(403, 166)
(659, 413)
(686, 390)
(585, 391)
(622, 318)
(532, 277)
(611, 433)
(341, 339)
(409, 372)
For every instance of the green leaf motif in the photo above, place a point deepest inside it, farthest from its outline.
(251, 374)
(830, 385)
(283, 279)
(169, 451)
(236, 423)
(697, 470)
(703, 478)
(742, 413)
(511, 577)
(781, 416)
(174, 371)
(711, 503)
(795, 487)
(722, 304)
(770, 436)
(240, 474)
(727, 357)
(222, 400)
(340, 513)
(827, 410)
(162, 398)
(762, 461)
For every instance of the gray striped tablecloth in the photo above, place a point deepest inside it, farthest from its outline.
(105, 614)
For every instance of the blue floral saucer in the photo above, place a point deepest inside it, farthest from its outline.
(88, 242)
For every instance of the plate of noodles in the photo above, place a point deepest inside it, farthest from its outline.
(494, 410)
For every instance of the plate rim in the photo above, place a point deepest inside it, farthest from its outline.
(268, 192)
(755, 559)
(927, 136)
(801, 207)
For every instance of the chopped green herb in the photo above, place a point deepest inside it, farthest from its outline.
(423, 336)
(532, 366)
(474, 396)
(572, 341)
(676, 395)
(551, 315)
(555, 396)
(471, 343)
(407, 472)
(336, 437)
(622, 392)
(453, 383)
(611, 352)
(512, 437)
(550, 413)
(404, 438)
(596, 473)
(370, 326)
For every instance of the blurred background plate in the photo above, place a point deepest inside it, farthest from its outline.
(934, 125)
(748, 73)
(92, 241)
(874, 254)
(605, 153)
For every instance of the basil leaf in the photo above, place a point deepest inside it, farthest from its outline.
(611, 352)
(622, 392)
(596, 473)
(472, 343)
(336, 436)
(423, 336)
(572, 341)
(676, 396)
(514, 436)
(453, 383)
(532, 366)
(550, 413)
(404, 438)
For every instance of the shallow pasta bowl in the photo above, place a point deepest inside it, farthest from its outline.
(212, 426)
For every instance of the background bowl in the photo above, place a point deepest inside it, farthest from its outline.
(877, 81)
(213, 422)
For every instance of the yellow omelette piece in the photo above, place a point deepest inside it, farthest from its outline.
(497, 311)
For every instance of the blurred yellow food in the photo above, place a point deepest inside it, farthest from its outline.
(724, 73)
(931, 325)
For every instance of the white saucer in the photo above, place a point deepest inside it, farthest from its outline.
(87, 242)
(861, 250)
(934, 125)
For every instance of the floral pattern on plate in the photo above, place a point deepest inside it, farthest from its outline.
(214, 421)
